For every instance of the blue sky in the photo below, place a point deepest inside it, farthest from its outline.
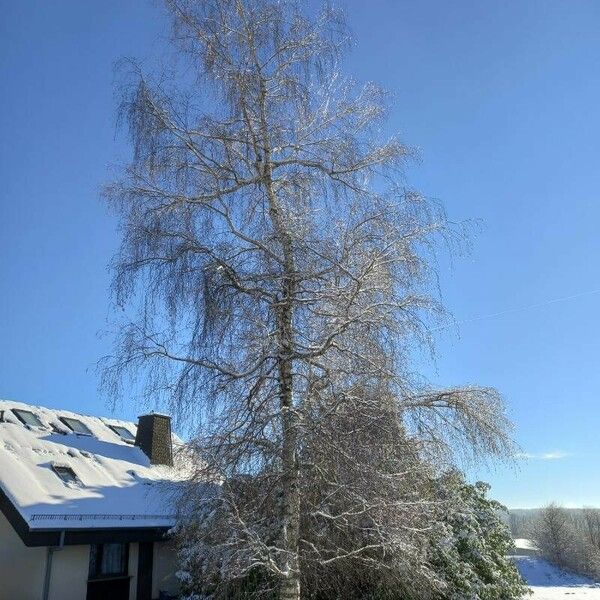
(502, 99)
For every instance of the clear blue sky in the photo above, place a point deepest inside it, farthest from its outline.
(501, 97)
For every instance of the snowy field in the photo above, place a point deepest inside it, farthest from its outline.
(549, 582)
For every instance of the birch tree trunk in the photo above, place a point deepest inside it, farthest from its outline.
(290, 586)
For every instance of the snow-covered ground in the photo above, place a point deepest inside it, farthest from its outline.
(549, 582)
(524, 546)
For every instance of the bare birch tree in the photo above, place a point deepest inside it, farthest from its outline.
(283, 275)
(554, 535)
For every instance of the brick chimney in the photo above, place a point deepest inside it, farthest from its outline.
(154, 438)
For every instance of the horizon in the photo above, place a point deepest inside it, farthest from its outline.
(501, 100)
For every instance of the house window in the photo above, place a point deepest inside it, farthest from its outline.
(108, 560)
(27, 417)
(65, 473)
(76, 425)
(123, 432)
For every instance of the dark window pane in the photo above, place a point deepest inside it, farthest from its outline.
(95, 552)
(108, 560)
(113, 559)
(27, 417)
(65, 473)
(75, 425)
(123, 432)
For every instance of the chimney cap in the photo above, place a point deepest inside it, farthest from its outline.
(153, 413)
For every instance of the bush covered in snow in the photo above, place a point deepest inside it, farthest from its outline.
(461, 545)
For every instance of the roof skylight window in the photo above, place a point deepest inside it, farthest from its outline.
(65, 473)
(27, 417)
(76, 426)
(123, 433)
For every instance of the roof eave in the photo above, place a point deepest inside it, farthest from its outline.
(74, 537)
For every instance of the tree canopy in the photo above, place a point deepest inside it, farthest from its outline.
(281, 274)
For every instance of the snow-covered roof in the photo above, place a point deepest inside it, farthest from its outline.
(116, 485)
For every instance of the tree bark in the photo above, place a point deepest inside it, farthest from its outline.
(290, 526)
(290, 586)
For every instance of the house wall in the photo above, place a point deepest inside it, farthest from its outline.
(70, 566)
(21, 568)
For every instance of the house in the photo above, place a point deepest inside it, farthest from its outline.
(85, 506)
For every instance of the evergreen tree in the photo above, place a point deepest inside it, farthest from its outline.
(471, 550)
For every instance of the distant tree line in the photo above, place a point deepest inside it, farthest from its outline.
(568, 538)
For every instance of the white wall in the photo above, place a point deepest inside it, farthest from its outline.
(70, 567)
(21, 568)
